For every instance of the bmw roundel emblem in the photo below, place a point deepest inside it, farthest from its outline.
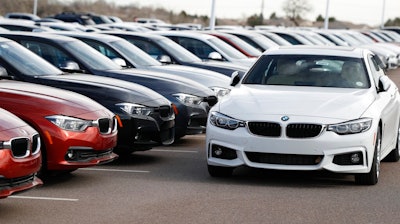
(285, 118)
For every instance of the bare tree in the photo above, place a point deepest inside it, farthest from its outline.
(295, 9)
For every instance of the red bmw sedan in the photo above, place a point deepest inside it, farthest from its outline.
(75, 131)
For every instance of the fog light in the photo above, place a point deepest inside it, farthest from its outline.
(355, 158)
(221, 152)
(218, 151)
(70, 154)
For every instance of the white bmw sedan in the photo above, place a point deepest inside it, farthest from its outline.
(307, 108)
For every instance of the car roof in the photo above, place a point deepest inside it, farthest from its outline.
(192, 34)
(136, 34)
(317, 50)
(93, 36)
(48, 36)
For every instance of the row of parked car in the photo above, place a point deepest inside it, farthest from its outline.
(83, 97)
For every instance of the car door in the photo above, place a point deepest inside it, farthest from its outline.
(390, 108)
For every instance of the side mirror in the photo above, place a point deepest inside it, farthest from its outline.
(70, 66)
(215, 56)
(119, 61)
(3, 72)
(235, 78)
(384, 83)
(165, 59)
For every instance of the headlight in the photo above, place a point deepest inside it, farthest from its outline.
(135, 109)
(69, 123)
(220, 92)
(223, 121)
(188, 99)
(351, 127)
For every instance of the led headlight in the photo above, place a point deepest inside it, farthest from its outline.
(351, 127)
(226, 122)
(135, 109)
(69, 123)
(220, 91)
(188, 99)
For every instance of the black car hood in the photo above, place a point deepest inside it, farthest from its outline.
(108, 88)
(165, 84)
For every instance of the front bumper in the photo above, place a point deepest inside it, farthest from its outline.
(17, 185)
(327, 151)
(142, 133)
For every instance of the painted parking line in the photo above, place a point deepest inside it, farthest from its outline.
(115, 170)
(171, 150)
(44, 198)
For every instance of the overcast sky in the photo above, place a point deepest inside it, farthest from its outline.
(356, 11)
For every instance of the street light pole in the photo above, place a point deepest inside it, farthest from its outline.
(326, 22)
(383, 14)
(35, 7)
(212, 17)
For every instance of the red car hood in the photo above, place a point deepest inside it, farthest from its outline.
(27, 98)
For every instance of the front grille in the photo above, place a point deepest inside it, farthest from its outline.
(265, 129)
(303, 130)
(104, 125)
(4, 183)
(211, 100)
(283, 159)
(83, 155)
(165, 111)
(86, 154)
(107, 125)
(35, 144)
(20, 147)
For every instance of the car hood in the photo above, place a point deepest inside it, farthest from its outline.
(247, 62)
(9, 121)
(225, 64)
(202, 76)
(28, 98)
(165, 84)
(114, 89)
(313, 102)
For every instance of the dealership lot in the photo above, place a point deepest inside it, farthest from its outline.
(171, 185)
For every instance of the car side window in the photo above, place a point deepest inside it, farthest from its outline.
(150, 48)
(376, 70)
(197, 47)
(47, 52)
(102, 48)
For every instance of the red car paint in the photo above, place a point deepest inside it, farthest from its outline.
(20, 158)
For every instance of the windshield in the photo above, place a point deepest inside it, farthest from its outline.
(134, 53)
(228, 50)
(91, 57)
(178, 51)
(309, 70)
(245, 46)
(25, 61)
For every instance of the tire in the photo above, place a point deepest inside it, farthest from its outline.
(371, 178)
(219, 171)
(394, 155)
